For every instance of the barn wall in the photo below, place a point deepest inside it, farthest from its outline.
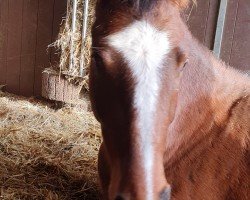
(236, 40)
(236, 37)
(202, 20)
(27, 27)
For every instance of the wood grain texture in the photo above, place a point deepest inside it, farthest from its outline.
(28, 54)
(45, 85)
(59, 89)
(68, 93)
(59, 92)
(211, 23)
(52, 87)
(14, 47)
(236, 42)
(230, 24)
(202, 20)
(4, 5)
(44, 38)
(27, 27)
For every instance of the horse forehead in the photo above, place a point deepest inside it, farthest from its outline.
(143, 48)
(141, 43)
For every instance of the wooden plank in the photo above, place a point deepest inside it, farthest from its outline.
(3, 40)
(45, 85)
(59, 96)
(60, 10)
(68, 93)
(14, 45)
(44, 38)
(198, 19)
(211, 23)
(229, 30)
(202, 21)
(220, 28)
(52, 87)
(28, 56)
(239, 56)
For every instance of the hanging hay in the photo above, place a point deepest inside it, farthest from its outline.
(47, 154)
(67, 36)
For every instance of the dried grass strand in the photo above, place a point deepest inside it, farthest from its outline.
(46, 153)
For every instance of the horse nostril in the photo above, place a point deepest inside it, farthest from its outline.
(119, 197)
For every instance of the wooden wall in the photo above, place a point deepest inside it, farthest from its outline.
(236, 40)
(27, 27)
(202, 20)
(236, 37)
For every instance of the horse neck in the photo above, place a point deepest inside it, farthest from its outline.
(208, 90)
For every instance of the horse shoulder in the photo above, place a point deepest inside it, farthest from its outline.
(238, 125)
(238, 135)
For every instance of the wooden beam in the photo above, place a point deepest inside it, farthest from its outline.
(220, 28)
(84, 34)
(73, 30)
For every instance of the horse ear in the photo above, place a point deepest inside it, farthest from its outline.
(181, 58)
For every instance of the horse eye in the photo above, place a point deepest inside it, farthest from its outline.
(96, 54)
(98, 58)
(104, 57)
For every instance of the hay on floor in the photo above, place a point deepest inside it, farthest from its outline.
(47, 154)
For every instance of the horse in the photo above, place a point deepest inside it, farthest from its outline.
(175, 119)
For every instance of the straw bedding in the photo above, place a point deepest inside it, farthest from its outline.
(45, 153)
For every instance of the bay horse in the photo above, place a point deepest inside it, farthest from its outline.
(175, 120)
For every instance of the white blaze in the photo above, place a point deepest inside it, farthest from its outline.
(144, 48)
